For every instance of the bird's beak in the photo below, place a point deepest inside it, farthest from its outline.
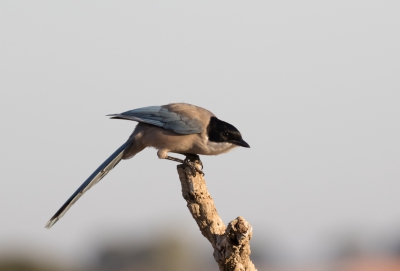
(240, 143)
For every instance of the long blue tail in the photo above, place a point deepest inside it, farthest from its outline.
(96, 176)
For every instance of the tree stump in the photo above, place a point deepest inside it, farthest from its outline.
(231, 244)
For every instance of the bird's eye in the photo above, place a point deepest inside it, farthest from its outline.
(225, 134)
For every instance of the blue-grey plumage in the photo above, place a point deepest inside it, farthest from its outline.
(165, 117)
(177, 128)
(94, 178)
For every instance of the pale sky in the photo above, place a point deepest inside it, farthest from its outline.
(313, 86)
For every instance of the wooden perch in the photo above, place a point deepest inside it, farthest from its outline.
(231, 244)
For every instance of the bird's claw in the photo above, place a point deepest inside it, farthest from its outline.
(191, 161)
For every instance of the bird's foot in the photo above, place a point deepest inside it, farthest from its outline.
(191, 161)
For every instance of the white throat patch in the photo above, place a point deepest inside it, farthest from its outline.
(215, 148)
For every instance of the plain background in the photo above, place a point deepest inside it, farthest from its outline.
(312, 85)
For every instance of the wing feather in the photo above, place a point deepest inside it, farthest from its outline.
(162, 117)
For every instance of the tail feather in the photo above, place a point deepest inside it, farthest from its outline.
(96, 176)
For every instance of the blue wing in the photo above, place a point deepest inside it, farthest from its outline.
(164, 118)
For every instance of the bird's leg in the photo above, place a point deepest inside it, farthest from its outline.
(190, 161)
(174, 159)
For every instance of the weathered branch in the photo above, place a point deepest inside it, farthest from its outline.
(231, 244)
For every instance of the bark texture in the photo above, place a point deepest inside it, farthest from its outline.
(231, 244)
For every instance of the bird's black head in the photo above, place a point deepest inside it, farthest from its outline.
(221, 131)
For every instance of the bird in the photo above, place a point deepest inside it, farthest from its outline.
(173, 128)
